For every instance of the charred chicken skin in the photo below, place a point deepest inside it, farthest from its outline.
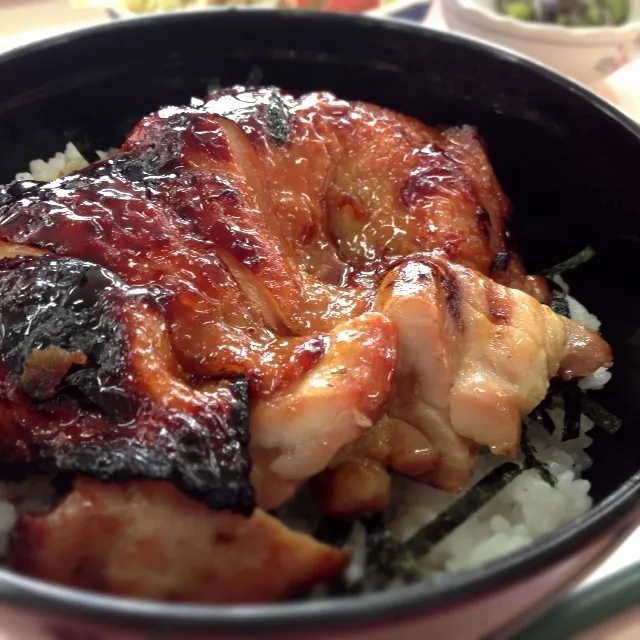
(257, 290)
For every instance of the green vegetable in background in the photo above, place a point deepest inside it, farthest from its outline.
(570, 13)
(519, 9)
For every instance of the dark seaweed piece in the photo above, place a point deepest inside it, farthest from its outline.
(531, 461)
(277, 118)
(558, 299)
(571, 263)
(450, 519)
(600, 416)
(500, 262)
(387, 559)
(542, 417)
(83, 142)
(579, 402)
(572, 397)
(262, 112)
(333, 531)
(18, 189)
(338, 586)
(556, 387)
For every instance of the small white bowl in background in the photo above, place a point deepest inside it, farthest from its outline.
(586, 54)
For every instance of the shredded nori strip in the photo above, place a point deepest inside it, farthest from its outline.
(557, 386)
(387, 559)
(463, 508)
(571, 263)
(599, 415)
(278, 118)
(18, 189)
(338, 586)
(531, 461)
(542, 417)
(84, 144)
(576, 403)
(334, 531)
(558, 299)
(500, 262)
(572, 397)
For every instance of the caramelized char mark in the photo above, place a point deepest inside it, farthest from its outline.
(89, 385)
(448, 282)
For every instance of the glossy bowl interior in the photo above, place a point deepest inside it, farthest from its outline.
(567, 160)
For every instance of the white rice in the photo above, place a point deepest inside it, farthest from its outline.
(62, 164)
(524, 510)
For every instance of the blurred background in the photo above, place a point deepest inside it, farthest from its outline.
(596, 42)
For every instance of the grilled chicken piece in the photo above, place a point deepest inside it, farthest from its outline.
(269, 221)
(474, 358)
(357, 483)
(219, 325)
(90, 385)
(298, 430)
(367, 183)
(146, 540)
(351, 263)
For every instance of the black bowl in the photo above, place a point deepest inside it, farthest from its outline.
(567, 159)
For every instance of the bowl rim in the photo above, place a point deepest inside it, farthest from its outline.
(558, 34)
(290, 617)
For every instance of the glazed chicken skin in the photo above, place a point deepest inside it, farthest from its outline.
(351, 265)
(90, 385)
